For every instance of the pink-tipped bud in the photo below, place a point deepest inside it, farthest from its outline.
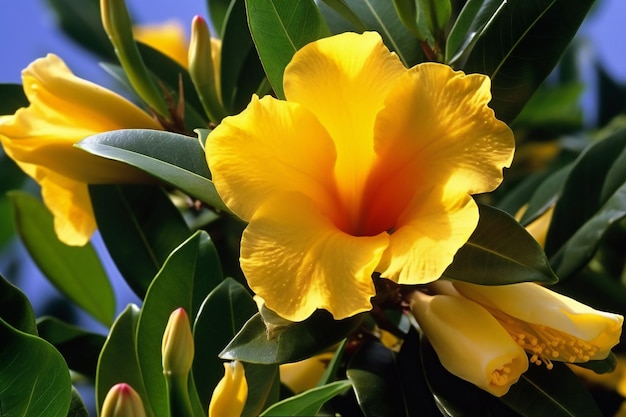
(178, 347)
(122, 401)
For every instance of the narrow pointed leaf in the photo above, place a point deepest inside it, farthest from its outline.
(186, 278)
(342, 8)
(76, 271)
(34, 380)
(521, 46)
(176, 159)
(293, 343)
(77, 406)
(279, 28)
(263, 388)
(15, 308)
(118, 359)
(309, 402)
(140, 227)
(500, 251)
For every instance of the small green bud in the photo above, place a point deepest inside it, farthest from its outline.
(178, 347)
(122, 401)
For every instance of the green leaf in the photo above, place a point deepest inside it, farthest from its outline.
(80, 348)
(553, 109)
(225, 310)
(218, 9)
(374, 373)
(342, 8)
(469, 27)
(13, 98)
(603, 366)
(330, 374)
(83, 25)
(309, 402)
(15, 308)
(186, 278)
(279, 28)
(263, 388)
(293, 343)
(546, 195)
(140, 227)
(173, 158)
(424, 18)
(118, 359)
(521, 46)
(556, 393)
(75, 271)
(34, 380)
(499, 252)
(239, 60)
(77, 406)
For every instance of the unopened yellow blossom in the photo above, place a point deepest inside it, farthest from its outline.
(367, 166)
(230, 394)
(122, 401)
(63, 110)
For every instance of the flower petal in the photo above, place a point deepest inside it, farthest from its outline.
(469, 342)
(535, 304)
(448, 136)
(168, 37)
(427, 237)
(344, 80)
(297, 260)
(271, 147)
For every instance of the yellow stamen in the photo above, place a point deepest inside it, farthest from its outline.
(543, 343)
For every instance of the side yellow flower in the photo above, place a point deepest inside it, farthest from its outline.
(366, 167)
(230, 394)
(469, 325)
(63, 110)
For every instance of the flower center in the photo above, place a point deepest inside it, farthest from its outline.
(544, 343)
(500, 377)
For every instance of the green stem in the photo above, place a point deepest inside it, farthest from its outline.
(177, 388)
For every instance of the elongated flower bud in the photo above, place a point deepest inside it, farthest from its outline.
(178, 348)
(122, 401)
(230, 394)
(118, 26)
(202, 69)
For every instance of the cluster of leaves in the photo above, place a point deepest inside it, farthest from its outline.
(174, 254)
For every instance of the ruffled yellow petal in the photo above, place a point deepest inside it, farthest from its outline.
(297, 260)
(168, 38)
(437, 130)
(534, 304)
(271, 147)
(428, 236)
(344, 81)
(469, 342)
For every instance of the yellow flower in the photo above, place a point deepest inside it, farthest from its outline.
(230, 394)
(167, 37)
(122, 401)
(63, 110)
(470, 324)
(469, 342)
(366, 167)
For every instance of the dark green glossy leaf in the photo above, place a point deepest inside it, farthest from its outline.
(293, 343)
(140, 227)
(470, 25)
(80, 348)
(75, 271)
(455, 397)
(13, 98)
(238, 57)
(545, 195)
(500, 251)
(15, 308)
(226, 309)
(555, 393)
(83, 25)
(263, 388)
(330, 374)
(342, 8)
(186, 278)
(34, 380)
(516, 198)
(279, 28)
(373, 371)
(521, 47)
(603, 366)
(175, 159)
(309, 402)
(118, 360)
(77, 406)
(381, 16)
(553, 109)
(218, 10)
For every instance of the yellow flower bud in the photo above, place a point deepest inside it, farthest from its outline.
(178, 347)
(122, 401)
(230, 394)
(469, 342)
